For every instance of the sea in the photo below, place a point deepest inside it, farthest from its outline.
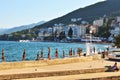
(13, 50)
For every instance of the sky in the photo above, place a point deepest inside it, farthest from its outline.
(22, 12)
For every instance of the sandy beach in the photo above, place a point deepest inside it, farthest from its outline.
(67, 65)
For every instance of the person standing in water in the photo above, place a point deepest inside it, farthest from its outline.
(37, 57)
(56, 53)
(3, 56)
(63, 54)
(49, 50)
(24, 55)
(79, 52)
(42, 55)
(74, 52)
(70, 53)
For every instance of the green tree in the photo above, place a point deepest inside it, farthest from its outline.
(56, 33)
(104, 31)
(70, 32)
(117, 41)
(87, 30)
(62, 35)
(29, 36)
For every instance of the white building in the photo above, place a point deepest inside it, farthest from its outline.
(118, 19)
(98, 22)
(49, 30)
(58, 29)
(44, 32)
(78, 30)
(115, 31)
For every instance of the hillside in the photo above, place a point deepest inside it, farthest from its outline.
(89, 13)
(111, 8)
(2, 31)
(19, 28)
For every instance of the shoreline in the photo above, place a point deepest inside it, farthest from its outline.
(57, 69)
(64, 42)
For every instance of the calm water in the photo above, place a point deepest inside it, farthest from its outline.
(14, 50)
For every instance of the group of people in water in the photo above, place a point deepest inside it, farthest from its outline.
(40, 56)
(71, 53)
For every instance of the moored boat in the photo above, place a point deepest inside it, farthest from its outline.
(24, 40)
(114, 54)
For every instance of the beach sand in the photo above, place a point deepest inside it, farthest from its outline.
(57, 65)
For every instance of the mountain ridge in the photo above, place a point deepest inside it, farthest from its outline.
(88, 13)
(19, 28)
(110, 8)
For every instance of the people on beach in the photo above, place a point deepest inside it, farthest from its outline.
(63, 54)
(74, 52)
(70, 53)
(103, 54)
(49, 56)
(24, 55)
(79, 52)
(37, 57)
(115, 67)
(3, 56)
(99, 51)
(42, 55)
(56, 53)
(94, 49)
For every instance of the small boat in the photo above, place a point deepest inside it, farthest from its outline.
(114, 54)
(24, 40)
(93, 39)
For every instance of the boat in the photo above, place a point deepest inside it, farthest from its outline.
(24, 41)
(94, 39)
(114, 54)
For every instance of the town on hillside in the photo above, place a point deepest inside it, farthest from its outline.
(102, 30)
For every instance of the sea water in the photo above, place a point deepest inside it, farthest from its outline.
(14, 50)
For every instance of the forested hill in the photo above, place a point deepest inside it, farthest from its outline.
(110, 8)
(89, 13)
